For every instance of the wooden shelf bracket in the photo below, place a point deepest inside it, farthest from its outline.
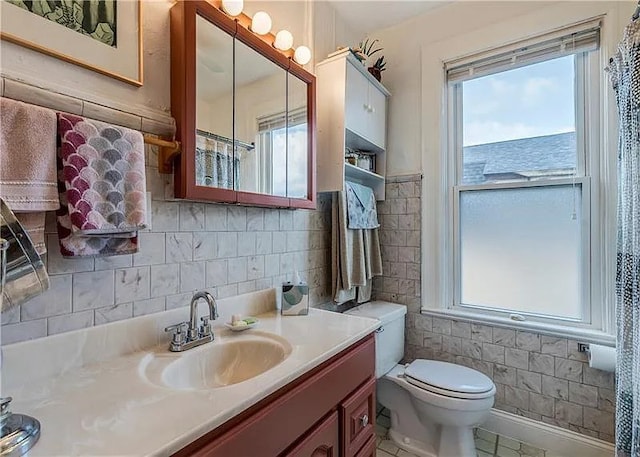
(167, 152)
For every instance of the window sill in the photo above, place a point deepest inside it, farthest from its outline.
(582, 335)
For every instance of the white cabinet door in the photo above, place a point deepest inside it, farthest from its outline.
(376, 119)
(356, 103)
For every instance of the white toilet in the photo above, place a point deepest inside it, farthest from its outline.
(434, 405)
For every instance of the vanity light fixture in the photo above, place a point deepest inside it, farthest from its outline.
(302, 55)
(233, 7)
(283, 41)
(261, 23)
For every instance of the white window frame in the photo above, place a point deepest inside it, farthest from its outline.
(266, 126)
(598, 325)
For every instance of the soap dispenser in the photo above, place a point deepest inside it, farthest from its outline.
(295, 297)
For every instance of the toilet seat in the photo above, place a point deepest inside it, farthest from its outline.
(449, 379)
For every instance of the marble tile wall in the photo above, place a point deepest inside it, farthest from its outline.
(540, 377)
(228, 250)
(536, 376)
(399, 217)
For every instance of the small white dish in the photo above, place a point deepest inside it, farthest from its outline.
(240, 328)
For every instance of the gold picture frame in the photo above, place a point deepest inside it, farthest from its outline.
(124, 63)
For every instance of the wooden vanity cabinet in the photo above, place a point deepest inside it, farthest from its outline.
(322, 441)
(369, 449)
(357, 415)
(320, 414)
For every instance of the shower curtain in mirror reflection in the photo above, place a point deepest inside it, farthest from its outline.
(216, 165)
(625, 77)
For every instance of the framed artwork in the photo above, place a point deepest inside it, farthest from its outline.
(102, 35)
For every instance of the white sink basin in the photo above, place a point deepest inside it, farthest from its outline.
(227, 360)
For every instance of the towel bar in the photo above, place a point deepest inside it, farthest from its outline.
(167, 152)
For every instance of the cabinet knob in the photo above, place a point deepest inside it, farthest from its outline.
(366, 107)
(364, 420)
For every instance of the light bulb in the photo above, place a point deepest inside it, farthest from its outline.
(302, 55)
(261, 23)
(232, 7)
(284, 40)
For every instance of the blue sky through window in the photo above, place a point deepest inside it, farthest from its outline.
(527, 102)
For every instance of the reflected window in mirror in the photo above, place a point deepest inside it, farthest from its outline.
(297, 147)
(260, 114)
(281, 154)
(272, 154)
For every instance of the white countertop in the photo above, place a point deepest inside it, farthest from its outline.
(86, 390)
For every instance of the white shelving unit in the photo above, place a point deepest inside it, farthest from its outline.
(352, 113)
(366, 178)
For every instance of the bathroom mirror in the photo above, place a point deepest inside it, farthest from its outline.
(245, 113)
(260, 122)
(297, 138)
(215, 161)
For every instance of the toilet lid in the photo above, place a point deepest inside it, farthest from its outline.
(448, 377)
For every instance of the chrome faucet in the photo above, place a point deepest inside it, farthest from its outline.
(193, 336)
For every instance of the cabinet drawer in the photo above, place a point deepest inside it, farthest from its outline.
(369, 449)
(323, 441)
(357, 414)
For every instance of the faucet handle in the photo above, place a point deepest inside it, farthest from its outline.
(177, 327)
(178, 335)
(205, 328)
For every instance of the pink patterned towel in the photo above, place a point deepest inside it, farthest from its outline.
(103, 172)
(101, 184)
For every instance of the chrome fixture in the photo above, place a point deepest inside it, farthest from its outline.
(19, 432)
(186, 335)
(24, 274)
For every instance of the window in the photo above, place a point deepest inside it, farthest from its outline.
(523, 149)
(271, 170)
(272, 142)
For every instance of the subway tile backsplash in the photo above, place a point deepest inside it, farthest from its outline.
(227, 250)
(540, 377)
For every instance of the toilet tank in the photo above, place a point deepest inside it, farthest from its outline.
(390, 335)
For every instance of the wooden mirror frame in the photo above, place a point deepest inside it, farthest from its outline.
(183, 102)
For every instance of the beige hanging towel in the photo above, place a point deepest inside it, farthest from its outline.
(28, 181)
(355, 256)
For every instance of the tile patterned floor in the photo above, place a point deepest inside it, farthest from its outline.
(488, 444)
